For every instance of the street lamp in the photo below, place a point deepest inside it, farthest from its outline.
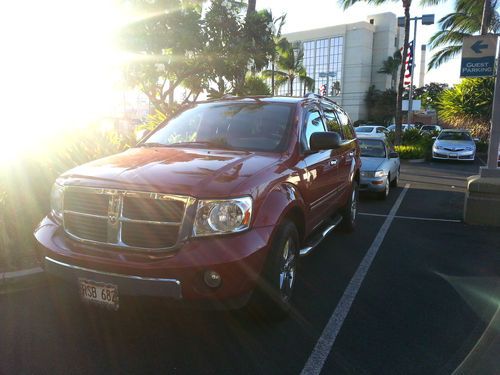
(427, 19)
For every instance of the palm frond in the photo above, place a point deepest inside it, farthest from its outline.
(443, 55)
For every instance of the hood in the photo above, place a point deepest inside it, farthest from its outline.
(452, 144)
(184, 171)
(370, 164)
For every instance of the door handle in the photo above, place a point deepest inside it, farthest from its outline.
(333, 162)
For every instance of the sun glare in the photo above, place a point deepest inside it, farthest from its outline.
(63, 71)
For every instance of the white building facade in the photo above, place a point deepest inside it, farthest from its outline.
(349, 57)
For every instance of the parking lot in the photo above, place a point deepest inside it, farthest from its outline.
(412, 291)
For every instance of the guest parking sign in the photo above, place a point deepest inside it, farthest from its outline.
(478, 56)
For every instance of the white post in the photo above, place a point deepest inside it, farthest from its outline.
(495, 124)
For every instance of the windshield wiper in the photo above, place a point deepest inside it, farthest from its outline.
(200, 143)
(152, 144)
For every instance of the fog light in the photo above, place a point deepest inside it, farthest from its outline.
(377, 182)
(212, 279)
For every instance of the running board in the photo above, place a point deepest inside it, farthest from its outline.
(315, 241)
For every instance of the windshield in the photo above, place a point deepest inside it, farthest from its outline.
(364, 129)
(372, 148)
(242, 126)
(454, 136)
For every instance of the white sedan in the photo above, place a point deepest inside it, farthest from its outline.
(372, 131)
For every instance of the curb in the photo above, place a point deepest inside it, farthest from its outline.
(15, 277)
(415, 161)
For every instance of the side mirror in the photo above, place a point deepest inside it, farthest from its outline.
(434, 138)
(476, 140)
(324, 141)
(393, 155)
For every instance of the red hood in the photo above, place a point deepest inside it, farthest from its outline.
(184, 171)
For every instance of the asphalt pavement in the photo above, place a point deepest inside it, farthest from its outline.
(412, 291)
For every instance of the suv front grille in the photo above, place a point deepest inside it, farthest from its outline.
(128, 219)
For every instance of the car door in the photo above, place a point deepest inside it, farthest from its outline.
(394, 162)
(322, 170)
(349, 147)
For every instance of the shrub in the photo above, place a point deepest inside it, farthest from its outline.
(410, 152)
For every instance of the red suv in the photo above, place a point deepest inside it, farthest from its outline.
(216, 205)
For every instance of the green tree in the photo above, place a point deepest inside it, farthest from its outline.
(429, 94)
(468, 105)
(381, 105)
(465, 21)
(390, 66)
(255, 86)
(290, 62)
(167, 42)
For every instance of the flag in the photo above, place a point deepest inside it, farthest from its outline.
(408, 64)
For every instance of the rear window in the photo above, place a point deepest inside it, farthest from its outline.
(364, 129)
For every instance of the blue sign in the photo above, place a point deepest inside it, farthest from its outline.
(477, 67)
(478, 56)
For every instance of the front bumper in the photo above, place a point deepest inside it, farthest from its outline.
(453, 155)
(375, 184)
(238, 258)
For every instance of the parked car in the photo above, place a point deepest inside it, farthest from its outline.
(375, 131)
(392, 128)
(430, 129)
(454, 144)
(214, 206)
(380, 167)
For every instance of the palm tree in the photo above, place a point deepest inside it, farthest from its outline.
(465, 21)
(290, 62)
(390, 66)
(406, 6)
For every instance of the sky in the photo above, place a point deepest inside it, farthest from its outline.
(323, 13)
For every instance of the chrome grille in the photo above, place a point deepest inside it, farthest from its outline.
(128, 219)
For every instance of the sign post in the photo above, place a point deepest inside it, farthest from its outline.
(482, 199)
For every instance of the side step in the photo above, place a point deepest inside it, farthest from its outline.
(317, 238)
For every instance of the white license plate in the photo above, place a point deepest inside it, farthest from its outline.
(452, 155)
(99, 293)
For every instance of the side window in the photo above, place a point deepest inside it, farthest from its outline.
(332, 122)
(380, 130)
(346, 126)
(314, 124)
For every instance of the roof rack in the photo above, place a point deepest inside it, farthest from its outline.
(312, 95)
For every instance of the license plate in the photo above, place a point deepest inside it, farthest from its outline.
(452, 155)
(99, 293)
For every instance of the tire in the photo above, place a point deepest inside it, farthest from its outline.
(387, 188)
(273, 294)
(349, 213)
(395, 182)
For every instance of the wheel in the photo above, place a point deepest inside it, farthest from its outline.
(273, 294)
(385, 193)
(350, 211)
(395, 182)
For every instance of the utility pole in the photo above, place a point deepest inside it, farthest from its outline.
(427, 19)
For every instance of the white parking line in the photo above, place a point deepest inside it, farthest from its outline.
(413, 217)
(322, 349)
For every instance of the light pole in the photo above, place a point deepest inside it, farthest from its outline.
(427, 19)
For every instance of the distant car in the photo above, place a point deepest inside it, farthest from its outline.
(454, 144)
(374, 131)
(380, 166)
(392, 128)
(430, 129)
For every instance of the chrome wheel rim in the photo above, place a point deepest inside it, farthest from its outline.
(354, 205)
(287, 273)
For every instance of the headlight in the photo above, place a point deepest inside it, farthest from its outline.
(56, 199)
(367, 174)
(379, 174)
(469, 148)
(438, 147)
(222, 216)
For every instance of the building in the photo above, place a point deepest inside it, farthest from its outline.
(348, 57)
